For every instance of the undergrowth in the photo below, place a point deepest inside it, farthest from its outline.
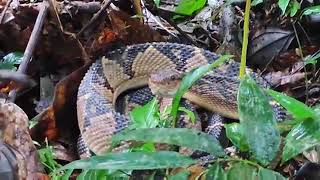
(257, 133)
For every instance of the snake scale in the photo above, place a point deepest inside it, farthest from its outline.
(130, 68)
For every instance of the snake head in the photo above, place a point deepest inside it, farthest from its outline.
(165, 83)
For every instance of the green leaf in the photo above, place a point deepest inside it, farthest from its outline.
(283, 4)
(7, 66)
(67, 174)
(147, 147)
(267, 174)
(286, 126)
(13, 58)
(10, 60)
(241, 171)
(190, 78)
(256, 2)
(132, 161)
(258, 121)
(311, 10)
(294, 7)
(103, 174)
(188, 7)
(145, 116)
(313, 59)
(302, 137)
(181, 175)
(47, 159)
(298, 109)
(82, 175)
(190, 138)
(157, 2)
(235, 133)
(216, 173)
(189, 114)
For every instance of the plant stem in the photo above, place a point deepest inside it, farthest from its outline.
(245, 39)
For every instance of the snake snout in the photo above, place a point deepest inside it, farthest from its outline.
(165, 82)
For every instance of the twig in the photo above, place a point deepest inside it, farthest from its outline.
(95, 17)
(32, 43)
(21, 79)
(4, 11)
(89, 7)
(304, 67)
(72, 7)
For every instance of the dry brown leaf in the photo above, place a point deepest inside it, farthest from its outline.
(60, 119)
(46, 127)
(131, 30)
(195, 171)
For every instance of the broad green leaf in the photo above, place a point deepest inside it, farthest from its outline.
(216, 173)
(283, 4)
(7, 66)
(294, 7)
(91, 175)
(10, 60)
(145, 116)
(256, 2)
(179, 176)
(311, 10)
(302, 137)
(298, 109)
(235, 133)
(190, 78)
(13, 58)
(190, 138)
(267, 174)
(100, 174)
(187, 7)
(241, 171)
(258, 121)
(132, 161)
(313, 59)
(157, 2)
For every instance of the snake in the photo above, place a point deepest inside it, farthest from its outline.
(157, 67)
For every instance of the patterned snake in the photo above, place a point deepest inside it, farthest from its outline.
(130, 68)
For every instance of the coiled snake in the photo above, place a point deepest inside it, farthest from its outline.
(130, 68)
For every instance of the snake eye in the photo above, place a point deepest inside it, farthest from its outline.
(172, 78)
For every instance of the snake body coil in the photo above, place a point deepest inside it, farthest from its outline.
(130, 68)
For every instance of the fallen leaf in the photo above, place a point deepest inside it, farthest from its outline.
(131, 30)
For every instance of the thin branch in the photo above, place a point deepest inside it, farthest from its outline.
(21, 79)
(95, 17)
(3, 13)
(32, 43)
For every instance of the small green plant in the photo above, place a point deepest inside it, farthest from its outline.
(47, 159)
(292, 7)
(10, 60)
(188, 7)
